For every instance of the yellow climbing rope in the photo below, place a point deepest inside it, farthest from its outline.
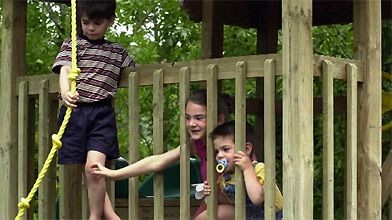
(56, 138)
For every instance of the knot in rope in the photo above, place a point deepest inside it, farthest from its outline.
(73, 74)
(23, 204)
(56, 141)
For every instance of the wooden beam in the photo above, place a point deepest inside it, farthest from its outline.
(328, 142)
(158, 140)
(47, 190)
(212, 119)
(185, 182)
(351, 209)
(133, 147)
(270, 140)
(267, 43)
(268, 26)
(212, 30)
(367, 36)
(240, 138)
(297, 109)
(255, 68)
(13, 59)
(386, 177)
(70, 202)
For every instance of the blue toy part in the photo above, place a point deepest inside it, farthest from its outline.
(221, 166)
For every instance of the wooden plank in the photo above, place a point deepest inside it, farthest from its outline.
(133, 148)
(31, 152)
(256, 107)
(390, 209)
(23, 111)
(227, 68)
(212, 119)
(198, 67)
(267, 42)
(240, 138)
(339, 66)
(13, 64)
(70, 191)
(268, 27)
(212, 30)
(111, 184)
(147, 205)
(185, 182)
(297, 109)
(367, 41)
(269, 139)
(158, 99)
(52, 171)
(84, 192)
(351, 159)
(46, 191)
(149, 202)
(386, 177)
(328, 141)
(259, 117)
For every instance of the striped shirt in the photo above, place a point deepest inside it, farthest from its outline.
(100, 63)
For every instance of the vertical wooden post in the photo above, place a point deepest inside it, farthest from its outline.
(47, 190)
(212, 30)
(31, 149)
(212, 109)
(158, 141)
(70, 176)
(184, 86)
(13, 59)
(328, 140)
(133, 148)
(23, 140)
(297, 109)
(269, 139)
(267, 30)
(367, 36)
(351, 158)
(240, 137)
(267, 42)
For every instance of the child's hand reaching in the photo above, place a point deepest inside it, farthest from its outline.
(99, 170)
(242, 160)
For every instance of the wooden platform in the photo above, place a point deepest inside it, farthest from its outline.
(146, 210)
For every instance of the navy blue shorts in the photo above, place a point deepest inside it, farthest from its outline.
(92, 126)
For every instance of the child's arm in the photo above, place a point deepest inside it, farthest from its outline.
(253, 187)
(67, 97)
(154, 163)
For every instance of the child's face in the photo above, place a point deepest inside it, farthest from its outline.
(224, 149)
(95, 29)
(196, 120)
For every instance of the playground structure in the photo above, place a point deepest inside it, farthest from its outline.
(297, 64)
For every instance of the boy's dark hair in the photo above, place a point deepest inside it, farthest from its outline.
(228, 129)
(96, 9)
(225, 103)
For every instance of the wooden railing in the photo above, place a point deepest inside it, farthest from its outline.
(72, 201)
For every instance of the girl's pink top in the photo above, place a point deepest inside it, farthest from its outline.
(201, 152)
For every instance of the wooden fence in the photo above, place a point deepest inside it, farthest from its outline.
(38, 104)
